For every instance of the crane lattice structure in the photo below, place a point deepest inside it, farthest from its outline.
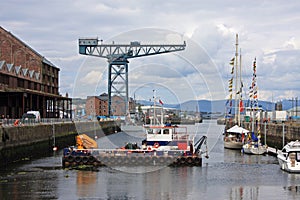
(117, 56)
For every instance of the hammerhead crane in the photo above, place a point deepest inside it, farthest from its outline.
(117, 56)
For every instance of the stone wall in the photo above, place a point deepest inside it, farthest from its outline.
(25, 142)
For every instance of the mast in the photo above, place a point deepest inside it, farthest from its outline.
(155, 118)
(236, 81)
(240, 91)
(154, 114)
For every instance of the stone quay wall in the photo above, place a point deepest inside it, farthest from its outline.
(30, 141)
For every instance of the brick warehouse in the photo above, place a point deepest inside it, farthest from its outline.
(98, 106)
(28, 81)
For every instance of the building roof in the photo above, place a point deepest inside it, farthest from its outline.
(44, 60)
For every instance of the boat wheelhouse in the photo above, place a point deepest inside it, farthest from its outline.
(168, 138)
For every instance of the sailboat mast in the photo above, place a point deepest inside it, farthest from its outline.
(154, 114)
(236, 77)
(240, 91)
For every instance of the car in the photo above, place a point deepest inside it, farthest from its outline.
(36, 114)
(28, 118)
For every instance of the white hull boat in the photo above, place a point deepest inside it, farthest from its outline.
(254, 148)
(289, 157)
(232, 141)
(234, 137)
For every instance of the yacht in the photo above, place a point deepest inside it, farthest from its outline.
(289, 157)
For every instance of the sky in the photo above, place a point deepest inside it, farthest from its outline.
(268, 31)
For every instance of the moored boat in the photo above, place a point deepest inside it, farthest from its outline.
(255, 149)
(254, 145)
(289, 157)
(234, 137)
(180, 151)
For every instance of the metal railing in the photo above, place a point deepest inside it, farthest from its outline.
(20, 122)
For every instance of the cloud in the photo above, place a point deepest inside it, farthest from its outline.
(267, 31)
(91, 78)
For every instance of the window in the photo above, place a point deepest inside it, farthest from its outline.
(298, 156)
(150, 131)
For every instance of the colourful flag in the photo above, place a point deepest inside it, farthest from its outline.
(241, 106)
(161, 102)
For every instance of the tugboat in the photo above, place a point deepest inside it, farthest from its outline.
(289, 157)
(164, 145)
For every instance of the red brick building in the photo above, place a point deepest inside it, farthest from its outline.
(28, 81)
(98, 105)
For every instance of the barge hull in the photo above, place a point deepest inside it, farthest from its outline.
(129, 158)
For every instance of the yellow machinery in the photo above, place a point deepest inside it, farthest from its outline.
(85, 142)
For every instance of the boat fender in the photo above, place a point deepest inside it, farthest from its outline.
(120, 160)
(77, 159)
(189, 160)
(162, 160)
(91, 159)
(70, 159)
(182, 160)
(85, 159)
(147, 160)
(133, 159)
(197, 161)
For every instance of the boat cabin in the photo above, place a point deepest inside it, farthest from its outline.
(292, 149)
(171, 136)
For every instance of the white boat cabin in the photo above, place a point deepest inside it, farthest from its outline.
(168, 136)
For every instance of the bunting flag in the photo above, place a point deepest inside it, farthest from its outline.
(241, 106)
(160, 101)
(232, 61)
(253, 90)
(230, 85)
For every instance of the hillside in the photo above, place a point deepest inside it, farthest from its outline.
(219, 105)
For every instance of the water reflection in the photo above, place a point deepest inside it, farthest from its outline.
(86, 183)
(241, 192)
(166, 183)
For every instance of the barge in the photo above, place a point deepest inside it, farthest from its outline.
(164, 146)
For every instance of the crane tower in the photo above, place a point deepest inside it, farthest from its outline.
(117, 56)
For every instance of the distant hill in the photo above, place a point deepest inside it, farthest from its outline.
(219, 105)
